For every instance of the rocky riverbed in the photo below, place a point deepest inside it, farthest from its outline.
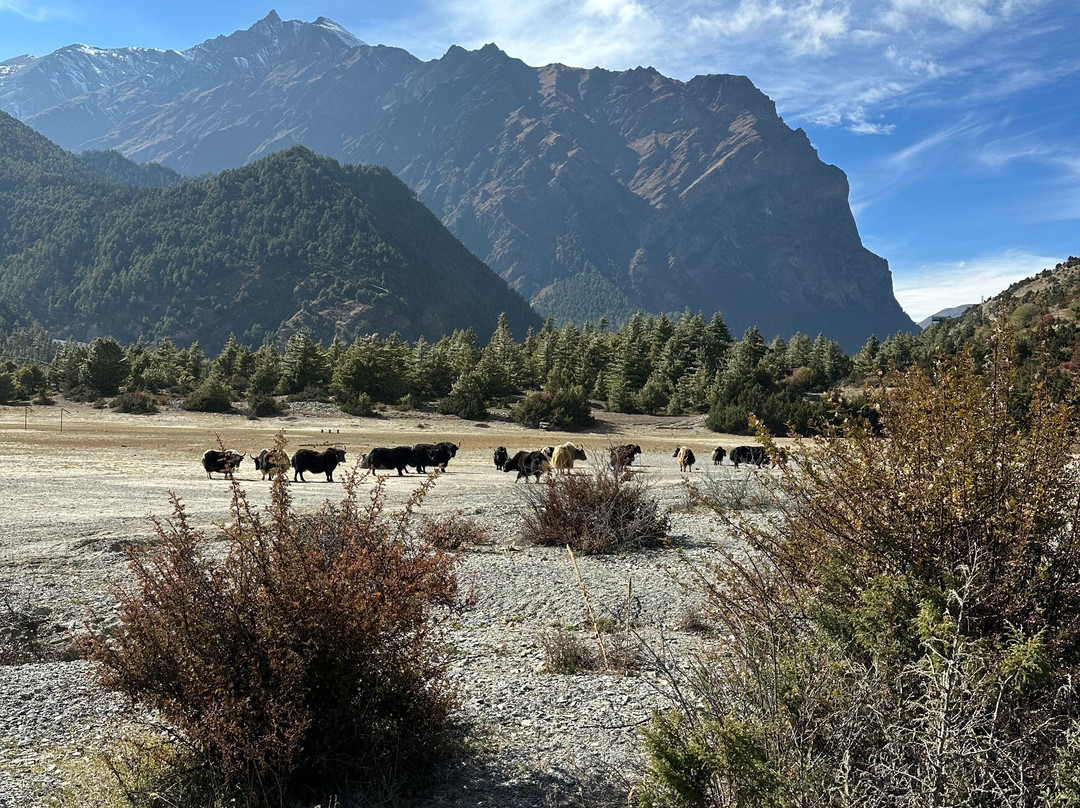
(542, 739)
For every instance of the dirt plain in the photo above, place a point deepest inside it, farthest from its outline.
(70, 500)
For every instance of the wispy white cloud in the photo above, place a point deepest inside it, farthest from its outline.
(930, 288)
(966, 15)
(805, 27)
(943, 149)
(868, 128)
(1039, 146)
(924, 153)
(916, 64)
(610, 33)
(36, 12)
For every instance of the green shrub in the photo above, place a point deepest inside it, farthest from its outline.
(82, 393)
(570, 408)
(409, 401)
(900, 627)
(598, 511)
(359, 404)
(312, 392)
(731, 419)
(304, 659)
(532, 410)
(137, 402)
(262, 405)
(653, 396)
(8, 387)
(212, 395)
(566, 408)
(466, 399)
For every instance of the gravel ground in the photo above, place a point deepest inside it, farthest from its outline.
(549, 739)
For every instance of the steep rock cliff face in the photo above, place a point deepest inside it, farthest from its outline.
(592, 192)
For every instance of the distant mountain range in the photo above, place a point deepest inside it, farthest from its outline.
(97, 246)
(593, 193)
(944, 314)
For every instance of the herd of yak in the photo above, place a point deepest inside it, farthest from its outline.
(437, 455)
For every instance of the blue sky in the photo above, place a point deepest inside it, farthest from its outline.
(956, 121)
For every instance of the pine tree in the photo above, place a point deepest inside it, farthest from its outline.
(266, 375)
(542, 358)
(304, 364)
(684, 350)
(828, 362)
(799, 349)
(435, 372)
(775, 363)
(899, 351)
(716, 343)
(228, 364)
(139, 358)
(466, 399)
(164, 370)
(630, 367)
(464, 350)
(105, 367)
(866, 364)
(502, 363)
(334, 353)
(65, 370)
(383, 370)
(193, 362)
(8, 387)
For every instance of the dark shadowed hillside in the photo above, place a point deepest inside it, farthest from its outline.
(292, 240)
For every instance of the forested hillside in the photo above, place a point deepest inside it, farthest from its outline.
(1042, 314)
(291, 241)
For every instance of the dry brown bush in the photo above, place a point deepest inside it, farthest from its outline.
(595, 511)
(306, 657)
(903, 625)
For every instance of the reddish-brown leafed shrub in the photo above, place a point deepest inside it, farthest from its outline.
(598, 511)
(305, 655)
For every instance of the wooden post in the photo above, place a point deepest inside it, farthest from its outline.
(589, 609)
(62, 411)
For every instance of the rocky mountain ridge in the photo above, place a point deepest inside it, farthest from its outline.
(594, 193)
(944, 314)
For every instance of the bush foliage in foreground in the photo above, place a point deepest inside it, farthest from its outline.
(306, 657)
(905, 626)
(600, 510)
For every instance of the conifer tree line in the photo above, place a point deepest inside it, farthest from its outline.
(652, 364)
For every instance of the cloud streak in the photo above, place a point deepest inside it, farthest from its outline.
(33, 11)
(933, 287)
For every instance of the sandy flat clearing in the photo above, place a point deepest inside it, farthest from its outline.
(72, 499)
